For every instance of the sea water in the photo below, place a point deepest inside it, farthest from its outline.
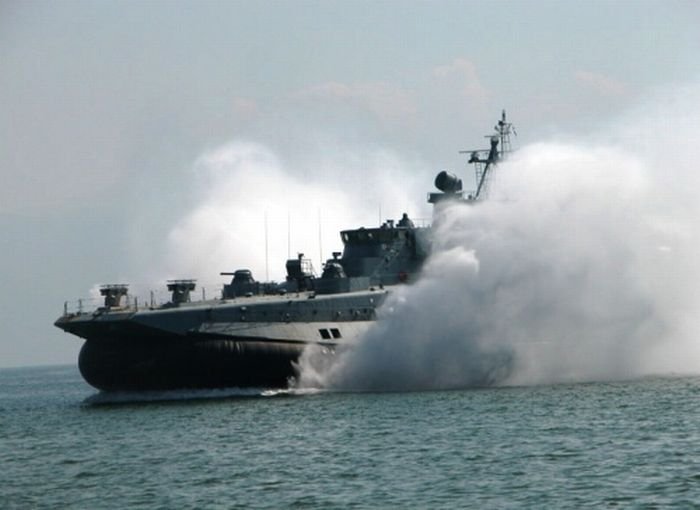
(633, 444)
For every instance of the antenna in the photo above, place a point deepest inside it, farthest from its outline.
(320, 238)
(504, 129)
(289, 234)
(267, 258)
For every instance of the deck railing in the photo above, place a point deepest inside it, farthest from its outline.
(135, 302)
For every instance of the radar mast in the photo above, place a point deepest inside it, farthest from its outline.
(485, 159)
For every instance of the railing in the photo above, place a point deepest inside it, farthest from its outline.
(421, 222)
(133, 302)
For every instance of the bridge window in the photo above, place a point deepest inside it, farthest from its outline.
(325, 334)
(336, 333)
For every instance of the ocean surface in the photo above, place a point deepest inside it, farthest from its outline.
(629, 444)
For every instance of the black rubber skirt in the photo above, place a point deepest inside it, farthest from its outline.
(174, 363)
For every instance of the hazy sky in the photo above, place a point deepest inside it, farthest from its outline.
(117, 116)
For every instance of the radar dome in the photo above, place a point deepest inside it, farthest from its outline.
(448, 183)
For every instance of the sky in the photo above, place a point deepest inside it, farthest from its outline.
(141, 141)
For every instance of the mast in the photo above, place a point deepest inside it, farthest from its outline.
(485, 159)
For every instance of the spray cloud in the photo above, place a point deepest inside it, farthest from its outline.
(582, 265)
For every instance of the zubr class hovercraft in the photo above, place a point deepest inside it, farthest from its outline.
(251, 335)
